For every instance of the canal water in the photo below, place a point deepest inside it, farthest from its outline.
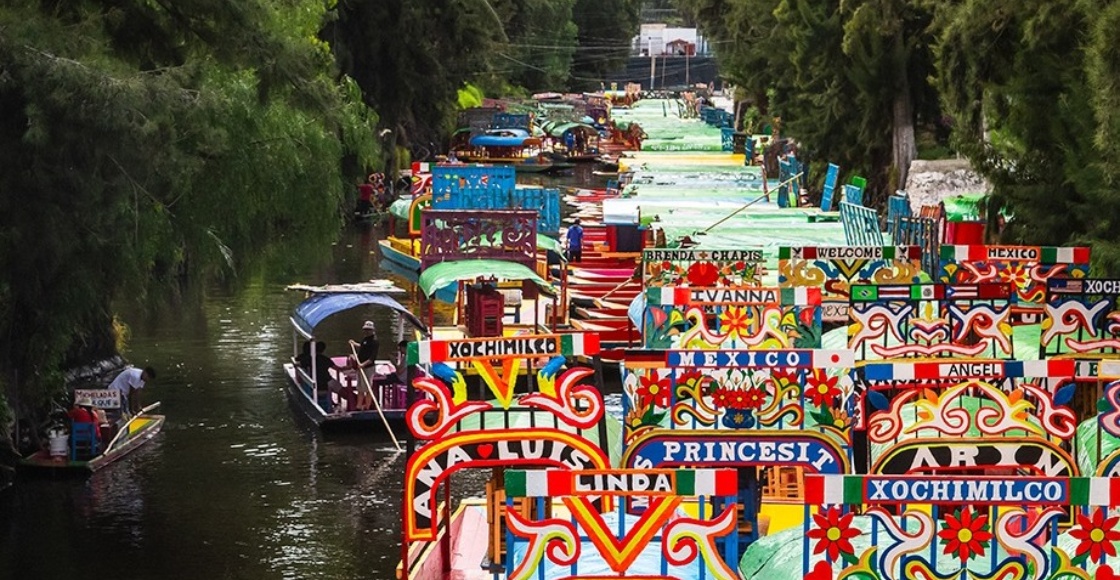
(238, 485)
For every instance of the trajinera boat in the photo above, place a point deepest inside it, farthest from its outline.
(386, 388)
(87, 447)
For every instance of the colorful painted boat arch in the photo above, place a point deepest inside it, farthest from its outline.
(697, 267)
(558, 424)
(653, 537)
(931, 320)
(835, 269)
(732, 317)
(1027, 268)
(945, 498)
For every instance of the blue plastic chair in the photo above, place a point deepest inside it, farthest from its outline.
(829, 186)
(83, 441)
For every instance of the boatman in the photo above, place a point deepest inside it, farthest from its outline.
(575, 242)
(366, 363)
(128, 382)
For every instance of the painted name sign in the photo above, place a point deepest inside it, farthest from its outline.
(101, 398)
(710, 449)
(760, 358)
(853, 252)
(681, 296)
(923, 456)
(437, 460)
(702, 255)
(618, 482)
(1013, 253)
(1019, 490)
(430, 351)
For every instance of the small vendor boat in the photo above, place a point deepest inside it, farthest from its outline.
(340, 410)
(81, 450)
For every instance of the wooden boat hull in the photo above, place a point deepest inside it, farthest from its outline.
(142, 430)
(343, 421)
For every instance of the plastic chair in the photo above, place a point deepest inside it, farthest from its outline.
(83, 441)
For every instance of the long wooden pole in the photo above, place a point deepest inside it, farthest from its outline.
(750, 203)
(376, 402)
(124, 428)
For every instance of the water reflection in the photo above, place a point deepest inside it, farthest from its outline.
(237, 485)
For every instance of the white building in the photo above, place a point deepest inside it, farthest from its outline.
(660, 39)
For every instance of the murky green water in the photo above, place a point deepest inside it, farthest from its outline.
(238, 484)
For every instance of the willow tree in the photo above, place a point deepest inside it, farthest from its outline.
(147, 144)
(411, 57)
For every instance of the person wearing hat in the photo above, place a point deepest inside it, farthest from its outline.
(82, 412)
(366, 363)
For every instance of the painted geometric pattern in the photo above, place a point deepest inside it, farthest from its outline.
(835, 269)
(1027, 268)
(931, 320)
(1081, 317)
(732, 317)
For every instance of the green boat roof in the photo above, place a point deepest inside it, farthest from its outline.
(444, 274)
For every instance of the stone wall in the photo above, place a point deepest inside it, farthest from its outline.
(929, 182)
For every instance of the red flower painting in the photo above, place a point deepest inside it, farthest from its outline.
(1096, 535)
(965, 535)
(821, 389)
(653, 390)
(822, 571)
(833, 533)
(702, 274)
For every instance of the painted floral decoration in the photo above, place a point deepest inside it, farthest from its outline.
(1096, 534)
(653, 390)
(1016, 274)
(702, 274)
(833, 532)
(821, 389)
(822, 571)
(736, 321)
(965, 535)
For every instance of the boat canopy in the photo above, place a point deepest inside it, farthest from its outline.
(318, 307)
(504, 138)
(400, 208)
(561, 128)
(439, 276)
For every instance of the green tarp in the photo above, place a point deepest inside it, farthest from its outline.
(439, 276)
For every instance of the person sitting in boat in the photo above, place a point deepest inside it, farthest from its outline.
(366, 363)
(82, 412)
(128, 383)
(323, 379)
(575, 242)
(401, 362)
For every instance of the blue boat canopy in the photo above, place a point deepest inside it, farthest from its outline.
(318, 307)
(504, 138)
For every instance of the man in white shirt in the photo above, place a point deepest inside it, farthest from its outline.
(128, 382)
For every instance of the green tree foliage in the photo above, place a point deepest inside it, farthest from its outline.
(606, 28)
(1033, 88)
(146, 143)
(849, 79)
(542, 41)
(411, 57)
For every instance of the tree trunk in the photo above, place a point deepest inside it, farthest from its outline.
(904, 149)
